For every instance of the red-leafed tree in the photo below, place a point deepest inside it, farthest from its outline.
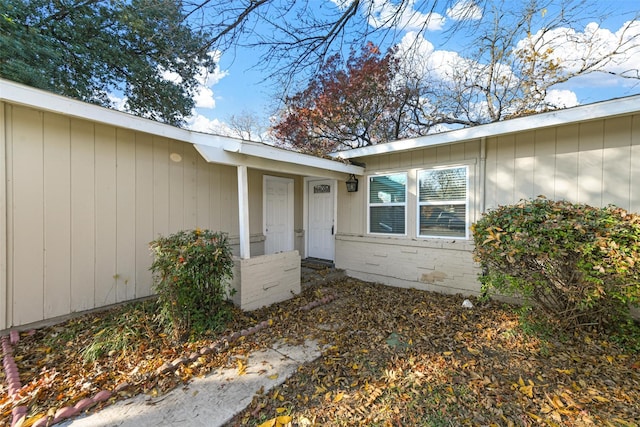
(348, 105)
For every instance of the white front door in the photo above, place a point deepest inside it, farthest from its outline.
(321, 223)
(278, 214)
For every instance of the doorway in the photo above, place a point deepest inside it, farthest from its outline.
(278, 214)
(321, 223)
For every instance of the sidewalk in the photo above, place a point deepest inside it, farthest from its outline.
(210, 401)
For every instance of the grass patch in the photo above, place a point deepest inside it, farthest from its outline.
(122, 331)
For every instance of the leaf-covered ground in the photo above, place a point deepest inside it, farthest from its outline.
(390, 357)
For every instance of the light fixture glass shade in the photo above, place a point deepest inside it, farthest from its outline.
(352, 184)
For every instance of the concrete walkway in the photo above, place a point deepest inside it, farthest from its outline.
(210, 401)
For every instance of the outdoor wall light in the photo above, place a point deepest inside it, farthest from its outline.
(352, 184)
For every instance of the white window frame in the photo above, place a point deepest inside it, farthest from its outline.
(404, 204)
(420, 204)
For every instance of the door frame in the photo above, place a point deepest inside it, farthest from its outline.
(305, 213)
(290, 211)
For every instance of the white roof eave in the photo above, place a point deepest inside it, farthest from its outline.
(28, 96)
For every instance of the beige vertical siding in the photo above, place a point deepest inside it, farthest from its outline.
(145, 230)
(596, 163)
(83, 203)
(617, 162)
(124, 279)
(634, 161)
(57, 210)
(567, 164)
(27, 229)
(105, 216)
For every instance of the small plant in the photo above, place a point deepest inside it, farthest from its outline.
(578, 264)
(121, 331)
(627, 336)
(191, 271)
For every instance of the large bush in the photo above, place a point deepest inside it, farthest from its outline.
(579, 264)
(192, 271)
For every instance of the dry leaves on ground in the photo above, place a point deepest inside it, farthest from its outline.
(390, 357)
(407, 357)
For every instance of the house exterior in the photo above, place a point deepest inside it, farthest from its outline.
(444, 182)
(87, 188)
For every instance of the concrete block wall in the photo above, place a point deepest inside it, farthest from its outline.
(266, 279)
(444, 266)
(256, 242)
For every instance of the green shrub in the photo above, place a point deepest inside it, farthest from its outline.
(578, 264)
(192, 271)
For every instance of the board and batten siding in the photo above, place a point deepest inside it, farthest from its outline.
(595, 162)
(441, 265)
(84, 200)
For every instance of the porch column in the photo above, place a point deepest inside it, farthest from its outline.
(243, 213)
(5, 321)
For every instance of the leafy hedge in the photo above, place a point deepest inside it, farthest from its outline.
(579, 264)
(192, 271)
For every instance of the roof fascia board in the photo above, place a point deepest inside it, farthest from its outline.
(597, 111)
(216, 155)
(15, 93)
(216, 141)
(273, 153)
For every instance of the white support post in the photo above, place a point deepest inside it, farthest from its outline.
(4, 300)
(243, 212)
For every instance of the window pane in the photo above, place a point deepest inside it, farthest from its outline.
(386, 219)
(443, 184)
(387, 189)
(443, 220)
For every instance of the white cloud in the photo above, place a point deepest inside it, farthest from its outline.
(615, 52)
(465, 10)
(562, 98)
(118, 103)
(385, 14)
(341, 4)
(420, 56)
(199, 123)
(203, 96)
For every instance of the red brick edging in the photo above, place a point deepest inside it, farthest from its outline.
(13, 378)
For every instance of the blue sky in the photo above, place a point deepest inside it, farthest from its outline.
(237, 86)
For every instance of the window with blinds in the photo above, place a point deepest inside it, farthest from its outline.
(387, 203)
(443, 202)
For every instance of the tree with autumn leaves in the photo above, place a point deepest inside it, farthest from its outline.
(348, 106)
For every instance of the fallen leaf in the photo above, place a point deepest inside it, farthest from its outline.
(242, 367)
(283, 420)
(268, 423)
